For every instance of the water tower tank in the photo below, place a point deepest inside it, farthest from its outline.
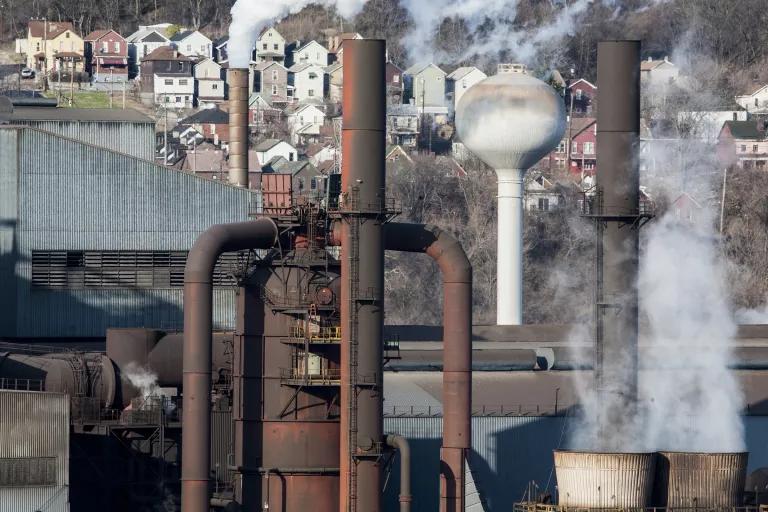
(510, 121)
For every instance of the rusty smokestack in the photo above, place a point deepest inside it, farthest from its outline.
(237, 79)
(617, 212)
(362, 274)
(198, 327)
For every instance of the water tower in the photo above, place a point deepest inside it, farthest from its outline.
(510, 121)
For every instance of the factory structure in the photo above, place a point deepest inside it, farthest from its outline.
(166, 343)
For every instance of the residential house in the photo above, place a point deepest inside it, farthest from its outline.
(310, 53)
(209, 83)
(261, 112)
(140, 44)
(270, 47)
(581, 98)
(743, 143)
(755, 101)
(706, 125)
(459, 82)
(305, 121)
(335, 73)
(52, 46)
(305, 178)
(106, 56)
(425, 85)
(167, 75)
(268, 149)
(659, 72)
(403, 125)
(336, 45)
(321, 152)
(394, 78)
(308, 81)
(212, 123)
(193, 44)
(577, 151)
(687, 209)
(270, 80)
(541, 194)
(220, 50)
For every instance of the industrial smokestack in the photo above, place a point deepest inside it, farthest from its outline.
(617, 213)
(362, 274)
(510, 121)
(237, 79)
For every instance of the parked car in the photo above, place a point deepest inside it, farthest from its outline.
(27, 73)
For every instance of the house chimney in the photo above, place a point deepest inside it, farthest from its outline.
(238, 126)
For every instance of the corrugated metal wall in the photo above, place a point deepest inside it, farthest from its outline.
(32, 426)
(72, 196)
(131, 138)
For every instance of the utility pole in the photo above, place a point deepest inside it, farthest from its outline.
(71, 81)
(111, 87)
(45, 54)
(722, 201)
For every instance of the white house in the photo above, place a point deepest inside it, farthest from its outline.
(209, 83)
(174, 91)
(311, 53)
(318, 153)
(140, 44)
(540, 194)
(659, 72)
(305, 121)
(308, 81)
(459, 82)
(270, 46)
(756, 101)
(270, 148)
(193, 44)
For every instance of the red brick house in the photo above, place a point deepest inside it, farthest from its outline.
(394, 77)
(577, 152)
(584, 95)
(106, 56)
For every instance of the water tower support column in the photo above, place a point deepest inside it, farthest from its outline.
(509, 270)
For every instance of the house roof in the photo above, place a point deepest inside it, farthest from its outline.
(180, 36)
(579, 124)
(326, 166)
(220, 41)
(309, 43)
(580, 80)
(649, 65)
(166, 53)
(314, 149)
(267, 144)
(97, 34)
(261, 66)
(744, 130)
(55, 28)
(280, 165)
(297, 108)
(333, 67)
(753, 91)
(461, 72)
(153, 36)
(418, 68)
(298, 68)
(267, 29)
(207, 116)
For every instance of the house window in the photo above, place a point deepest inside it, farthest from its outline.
(757, 103)
(291, 156)
(274, 89)
(168, 81)
(117, 47)
(178, 99)
(104, 47)
(743, 148)
(66, 35)
(214, 86)
(734, 116)
(276, 46)
(301, 184)
(312, 76)
(575, 147)
(202, 49)
(311, 92)
(313, 184)
(183, 82)
(754, 148)
(145, 50)
(561, 147)
(274, 75)
(264, 46)
(463, 84)
(579, 94)
(589, 148)
(396, 79)
(167, 99)
(181, 66)
(189, 47)
(588, 166)
(544, 204)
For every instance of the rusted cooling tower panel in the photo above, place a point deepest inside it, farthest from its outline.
(604, 480)
(617, 219)
(238, 126)
(694, 480)
(362, 271)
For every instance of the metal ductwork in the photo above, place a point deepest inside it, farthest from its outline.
(604, 480)
(616, 210)
(198, 327)
(237, 79)
(362, 273)
(401, 445)
(700, 480)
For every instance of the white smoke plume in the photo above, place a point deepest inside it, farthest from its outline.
(250, 17)
(141, 378)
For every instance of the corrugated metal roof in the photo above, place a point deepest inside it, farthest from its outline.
(79, 114)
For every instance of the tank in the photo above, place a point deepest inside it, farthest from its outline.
(704, 480)
(510, 121)
(604, 480)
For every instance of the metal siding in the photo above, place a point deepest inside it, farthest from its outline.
(36, 425)
(8, 220)
(76, 197)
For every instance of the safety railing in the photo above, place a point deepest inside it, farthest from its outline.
(21, 384)
(546, 507)
(300, 376)
(322, 334)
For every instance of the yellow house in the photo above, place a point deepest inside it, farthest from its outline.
(53, 45)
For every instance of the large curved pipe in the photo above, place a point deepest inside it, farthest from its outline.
(457, 348)
(401, 444)
(198, 327)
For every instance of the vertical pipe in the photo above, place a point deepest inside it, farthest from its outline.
(509, 270)
(238, 126)
(198, 326)
(618, 183)
(362, 271)
(401, 444)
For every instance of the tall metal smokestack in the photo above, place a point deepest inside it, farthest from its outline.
(237, 79)
(618, 217)
(362, 273)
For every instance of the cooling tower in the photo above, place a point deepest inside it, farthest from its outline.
(604, 480)
(700, 480)
(510, 121)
